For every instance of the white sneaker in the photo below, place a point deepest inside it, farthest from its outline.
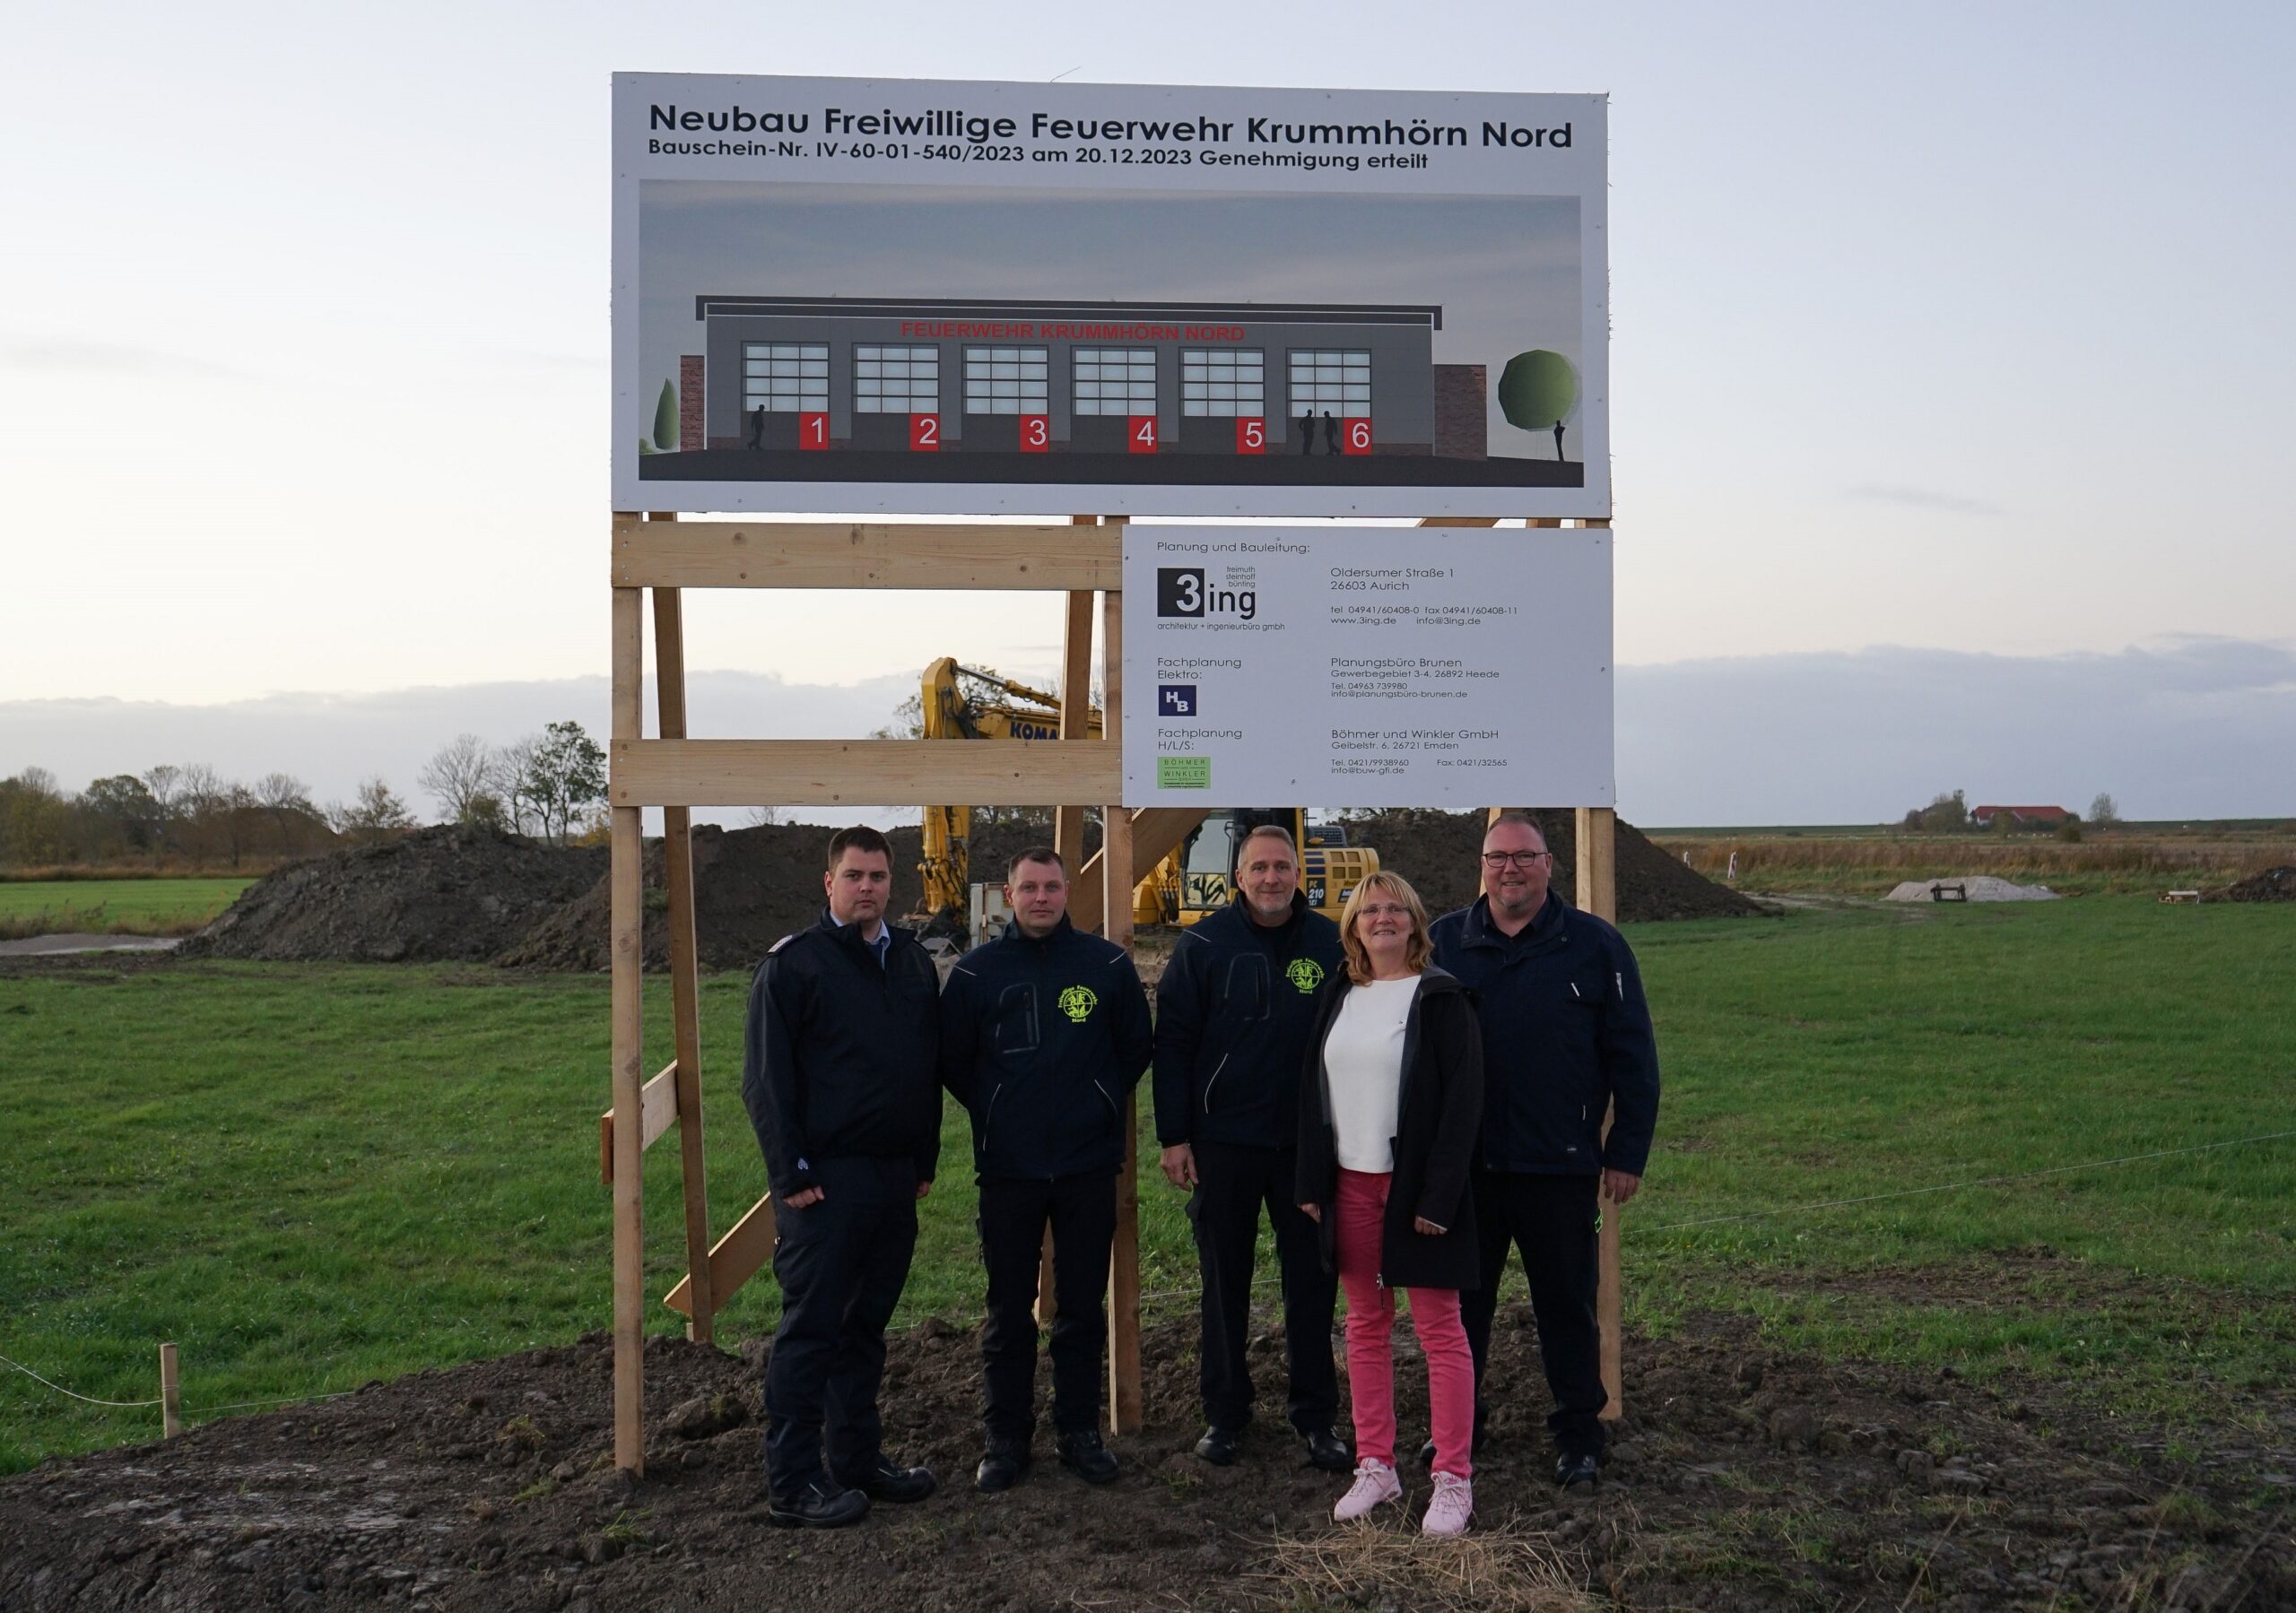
(1375, 1485)
(1452, 1506)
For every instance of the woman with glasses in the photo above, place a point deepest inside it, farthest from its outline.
(1389, 1103)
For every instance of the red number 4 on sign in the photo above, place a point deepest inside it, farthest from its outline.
(1140, 432)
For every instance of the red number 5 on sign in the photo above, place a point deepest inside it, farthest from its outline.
(1251, 436)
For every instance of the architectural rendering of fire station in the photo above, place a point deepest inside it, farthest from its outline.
(793, 373)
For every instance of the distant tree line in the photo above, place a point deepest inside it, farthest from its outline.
(548, 785)
(186, 813)
(1948, 814)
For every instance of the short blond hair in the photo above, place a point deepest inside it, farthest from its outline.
(1415, 951)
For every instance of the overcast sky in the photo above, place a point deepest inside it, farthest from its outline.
(1947, 340)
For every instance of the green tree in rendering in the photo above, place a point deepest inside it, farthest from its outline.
(1537, 390)
(665, 419)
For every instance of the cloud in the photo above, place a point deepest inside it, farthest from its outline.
(1919, 498)
(331, 741)
(115, 359)
(2176, 727)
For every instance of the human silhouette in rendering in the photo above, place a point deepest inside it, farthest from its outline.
(1558, 442)
(1331, 433)
(1308, 429)
(757, 428)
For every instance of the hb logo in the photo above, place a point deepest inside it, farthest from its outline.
(1176, 700)
(1179, 590)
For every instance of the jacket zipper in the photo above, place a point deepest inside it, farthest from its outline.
(1105, 1099)
(988, 1115)
(1216, 1068)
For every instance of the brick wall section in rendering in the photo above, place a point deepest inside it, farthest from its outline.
(1462, 411)
(690, 402)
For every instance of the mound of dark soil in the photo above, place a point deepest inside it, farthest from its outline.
(1742, 1477)
(1438, 853)
(454, 893)
(751, 887)
(2272, 885)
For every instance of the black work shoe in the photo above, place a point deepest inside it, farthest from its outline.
(1218, 1445)
(1082, 1454)
(1584, 1468)
(883, 1480)
(820, 1504)
(1327, 1451)
(1002, 1466)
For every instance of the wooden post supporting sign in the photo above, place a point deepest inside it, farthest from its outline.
(1125, 1392)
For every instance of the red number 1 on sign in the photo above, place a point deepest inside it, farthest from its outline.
(812, 431)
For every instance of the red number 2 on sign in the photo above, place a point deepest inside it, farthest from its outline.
(924, 433)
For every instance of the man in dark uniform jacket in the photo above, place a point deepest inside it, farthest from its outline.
(1044, 1033)
(1234, 1011)
(1565, 1035)
(841, 1079)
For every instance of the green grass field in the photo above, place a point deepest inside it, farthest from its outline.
(311, 1177)
(113, 906)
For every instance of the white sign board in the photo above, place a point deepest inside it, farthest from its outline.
(848, 295)
(1367, 666)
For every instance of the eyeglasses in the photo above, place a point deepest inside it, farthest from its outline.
(1521, 859)
(1392, 910)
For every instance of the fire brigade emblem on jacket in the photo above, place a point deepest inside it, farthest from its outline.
(1306, 974)
(1078, 1003)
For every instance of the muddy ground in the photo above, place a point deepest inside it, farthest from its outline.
(1744, 1478)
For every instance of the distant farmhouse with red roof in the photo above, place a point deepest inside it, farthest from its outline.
(2024, 817)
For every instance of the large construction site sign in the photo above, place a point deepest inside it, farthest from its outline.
(1337, 664)
(841, 295)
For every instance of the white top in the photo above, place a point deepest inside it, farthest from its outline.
(1364, 1057)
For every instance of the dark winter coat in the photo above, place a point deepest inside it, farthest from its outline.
(1566, 1032)
(1437, 1115)
(1043, 1043)
(842, 1054)
(1234, 1009)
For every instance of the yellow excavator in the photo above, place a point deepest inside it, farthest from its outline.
(1188, 858)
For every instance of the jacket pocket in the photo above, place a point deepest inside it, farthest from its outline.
(1245, 993)
(1016, 1019)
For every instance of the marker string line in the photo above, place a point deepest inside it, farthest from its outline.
(75, 1394)
(188, 1411)
(1907, 1193)
(1749, 1214)
(1946, 1187)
